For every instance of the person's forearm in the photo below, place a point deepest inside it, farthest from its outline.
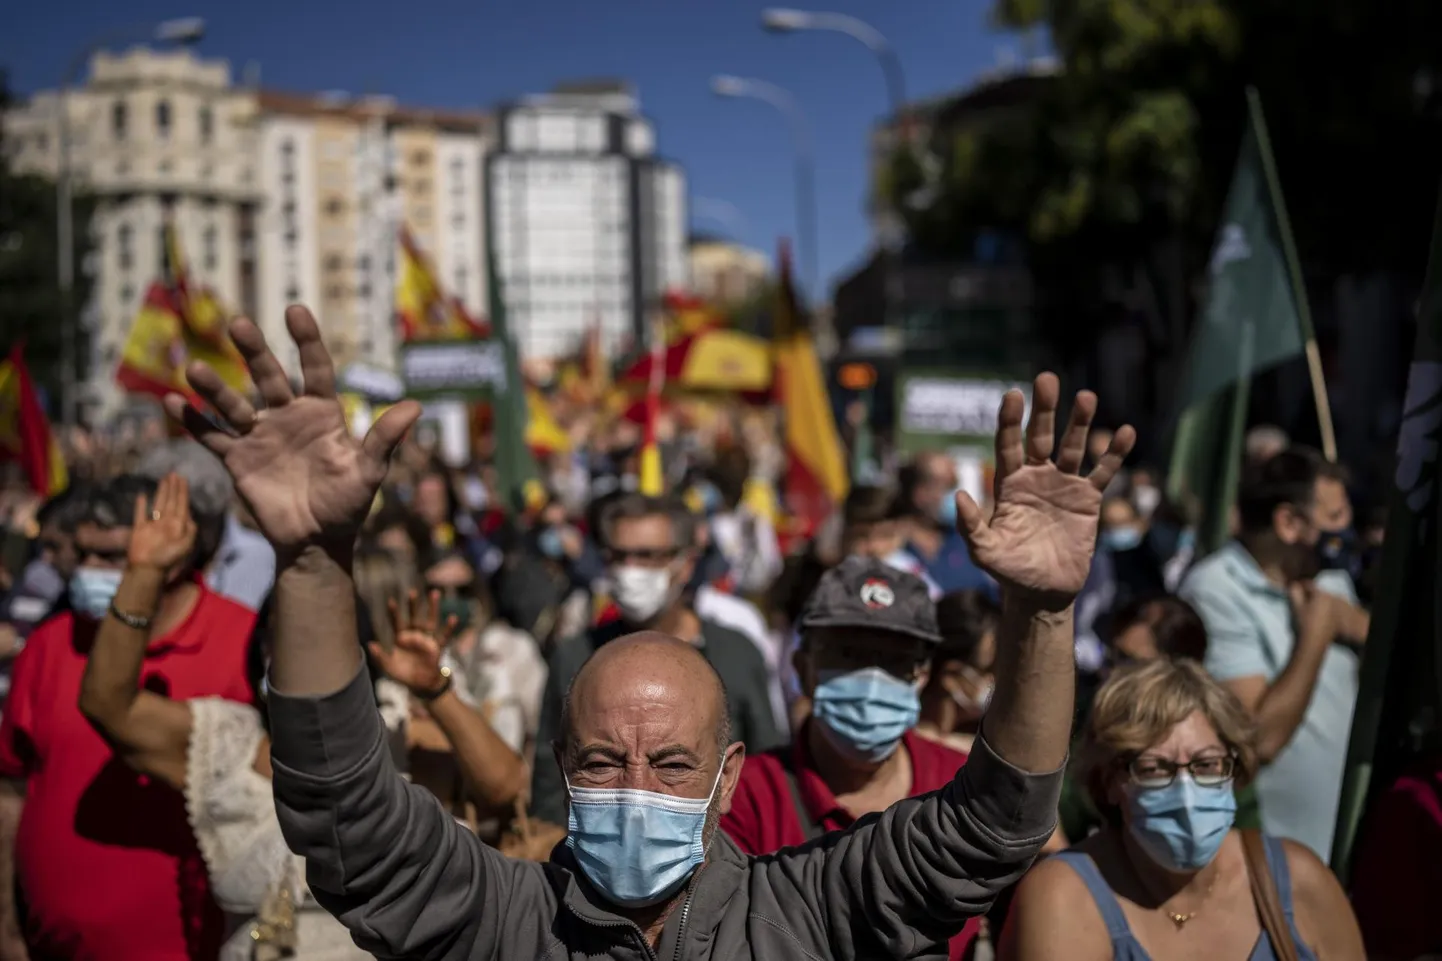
(1354, 623)
(317, 651)
(112, 671)
(494, 774)
(12, 804)
(1282, 707)
(1029, 721)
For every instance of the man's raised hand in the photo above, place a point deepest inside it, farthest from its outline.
(1040, 538)
(304, 477)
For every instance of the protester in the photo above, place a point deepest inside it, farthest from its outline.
(928, 487)
(874, 525)
(104, 857)
(39, 591)
(1276, 603)
(745, 539)
(962, 675)
(1262, 443)
(648, 546)
(212, 750)
(1149, 628)
(867, 639)
(1168, 876)
(645, 739)
(243, 565)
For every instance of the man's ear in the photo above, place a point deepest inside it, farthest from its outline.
(731, 775)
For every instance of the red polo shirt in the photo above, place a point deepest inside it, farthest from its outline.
(105, 863)
(763, 814)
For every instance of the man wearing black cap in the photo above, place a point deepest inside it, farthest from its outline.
(867, 636)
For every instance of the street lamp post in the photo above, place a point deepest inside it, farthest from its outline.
(805, 161)
(183, 30)
(785, 20)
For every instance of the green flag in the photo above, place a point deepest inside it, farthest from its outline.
(1399, 701)
(514, 463)
(1254, 317)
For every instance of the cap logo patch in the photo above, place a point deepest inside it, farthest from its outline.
(877, 594)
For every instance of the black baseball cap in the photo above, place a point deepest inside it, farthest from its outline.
(868, 594)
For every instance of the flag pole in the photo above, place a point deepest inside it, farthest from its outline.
(1294, 268)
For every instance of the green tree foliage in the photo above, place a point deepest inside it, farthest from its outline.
(1118, 165)
(30, 304)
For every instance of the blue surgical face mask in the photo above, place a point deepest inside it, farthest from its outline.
(946, 510)
(637, 847)
(550, 544)
(92, 589)
(1181, 826)
(864, 713)
(1119, 540)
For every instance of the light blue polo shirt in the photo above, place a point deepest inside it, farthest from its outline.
(1250, 632)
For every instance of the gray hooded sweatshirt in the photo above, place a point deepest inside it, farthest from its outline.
(409, 882)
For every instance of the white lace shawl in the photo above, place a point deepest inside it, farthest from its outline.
(231, 809)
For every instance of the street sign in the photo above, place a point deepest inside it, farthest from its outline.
(473, 369)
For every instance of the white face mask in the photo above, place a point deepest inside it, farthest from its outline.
(1147, 499)
(640, 592)
(974, 705)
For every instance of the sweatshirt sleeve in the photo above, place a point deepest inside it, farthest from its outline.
(900, 882)
(381, 854)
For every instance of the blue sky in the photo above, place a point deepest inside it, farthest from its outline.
(478, 53)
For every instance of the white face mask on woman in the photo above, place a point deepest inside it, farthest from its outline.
(640, 593)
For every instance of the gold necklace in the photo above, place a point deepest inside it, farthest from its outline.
(1181, 919)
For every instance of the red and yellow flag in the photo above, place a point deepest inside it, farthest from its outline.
(25, 434)
(816, 481)
(423, 309)
(178, 322)
(543, 434)
(652, 481)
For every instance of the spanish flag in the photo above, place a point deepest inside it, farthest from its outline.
(178, 322)
(423, 309)
(543, 434)
(815, 482)
(24, 431)
(652, 480)
(688, 315)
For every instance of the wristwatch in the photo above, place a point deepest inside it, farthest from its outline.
(133, 621)
(445, 686)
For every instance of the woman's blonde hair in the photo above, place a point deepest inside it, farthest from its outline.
(381, 576)
(1139, 706)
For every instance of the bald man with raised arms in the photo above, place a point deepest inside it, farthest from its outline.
(645, 749)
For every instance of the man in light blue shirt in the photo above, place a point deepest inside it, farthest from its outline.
(1280, 610)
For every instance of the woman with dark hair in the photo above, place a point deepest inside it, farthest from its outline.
(217, 751)
(959, 687)
(1153, 627)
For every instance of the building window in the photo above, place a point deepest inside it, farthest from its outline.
(334, 262)
(127, 294)
(292, 293)
(207, 124)
(161, 248)
(290, 237)
(208, 244)
(118, 117)
(162, 119)
(364, 263)
(122, 246)
(42, 142)
(335, 207)
(420, 158)
(335, 292)
(421, 185)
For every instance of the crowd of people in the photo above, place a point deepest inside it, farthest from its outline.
(278, 691)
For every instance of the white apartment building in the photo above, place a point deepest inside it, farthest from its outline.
(151, 135)
(340, 176)
(586, 221)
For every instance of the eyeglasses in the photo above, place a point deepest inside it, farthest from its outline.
(648, 556)
(1156, 772)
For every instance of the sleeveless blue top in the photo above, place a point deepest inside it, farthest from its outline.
(1125, 946)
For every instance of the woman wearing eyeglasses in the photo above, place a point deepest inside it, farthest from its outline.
(1168, 876)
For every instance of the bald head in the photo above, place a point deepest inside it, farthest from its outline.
(649, 691)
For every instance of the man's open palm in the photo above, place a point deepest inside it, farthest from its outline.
(1042, 533)
(304, 477)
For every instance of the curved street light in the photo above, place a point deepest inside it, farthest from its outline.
(787, 20)
(180, 30)
(725, 85)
